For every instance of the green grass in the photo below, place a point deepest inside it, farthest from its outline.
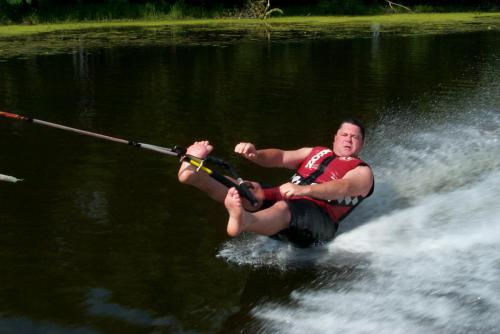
(404, 19)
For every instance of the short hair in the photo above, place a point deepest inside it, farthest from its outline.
(357, 122)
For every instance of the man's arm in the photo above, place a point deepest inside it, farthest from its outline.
(357, 182)
(273, 157)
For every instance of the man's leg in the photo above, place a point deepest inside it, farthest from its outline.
(265, 222)
(188, 175)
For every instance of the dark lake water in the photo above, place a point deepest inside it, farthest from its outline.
(101, 238)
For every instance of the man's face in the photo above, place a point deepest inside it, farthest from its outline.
(348, 141)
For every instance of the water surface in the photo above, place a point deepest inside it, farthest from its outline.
(100, 237)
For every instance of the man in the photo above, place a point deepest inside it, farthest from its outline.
(327, 186)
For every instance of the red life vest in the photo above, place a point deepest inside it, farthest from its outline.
(320, 166)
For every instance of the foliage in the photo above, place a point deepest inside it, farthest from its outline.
(341, 7)
(108, 10)
(178, 10)
(4, 10)
(39, 11)
(260, 9)
(11, 11)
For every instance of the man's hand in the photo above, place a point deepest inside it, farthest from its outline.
(247, 150)
(257, 191)
(288, 190)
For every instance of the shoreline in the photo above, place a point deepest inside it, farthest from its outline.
(403, 19)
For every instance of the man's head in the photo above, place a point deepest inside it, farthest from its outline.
(349, 139)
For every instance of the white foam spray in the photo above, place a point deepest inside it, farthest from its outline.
(425, 249)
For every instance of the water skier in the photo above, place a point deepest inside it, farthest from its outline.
(328, 184)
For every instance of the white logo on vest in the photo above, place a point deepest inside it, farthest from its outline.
(315, 158)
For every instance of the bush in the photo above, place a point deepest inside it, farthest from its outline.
(178, 10)
(7, 12)
(349, 7)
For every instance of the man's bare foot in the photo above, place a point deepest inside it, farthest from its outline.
(200, 149)
(236, 222)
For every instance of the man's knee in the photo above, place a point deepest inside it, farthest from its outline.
(281, 205)
(283, 208)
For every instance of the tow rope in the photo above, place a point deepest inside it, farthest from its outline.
(242, 186)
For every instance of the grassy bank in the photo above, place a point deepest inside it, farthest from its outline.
(492, 20)
(47, 39)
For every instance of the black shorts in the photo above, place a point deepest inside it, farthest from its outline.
(310, 224)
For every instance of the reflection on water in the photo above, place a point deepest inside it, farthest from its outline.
(24, 325)
(224, 34)
(98, 305)
(101, 238)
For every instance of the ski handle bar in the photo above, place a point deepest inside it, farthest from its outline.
(242, 186)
